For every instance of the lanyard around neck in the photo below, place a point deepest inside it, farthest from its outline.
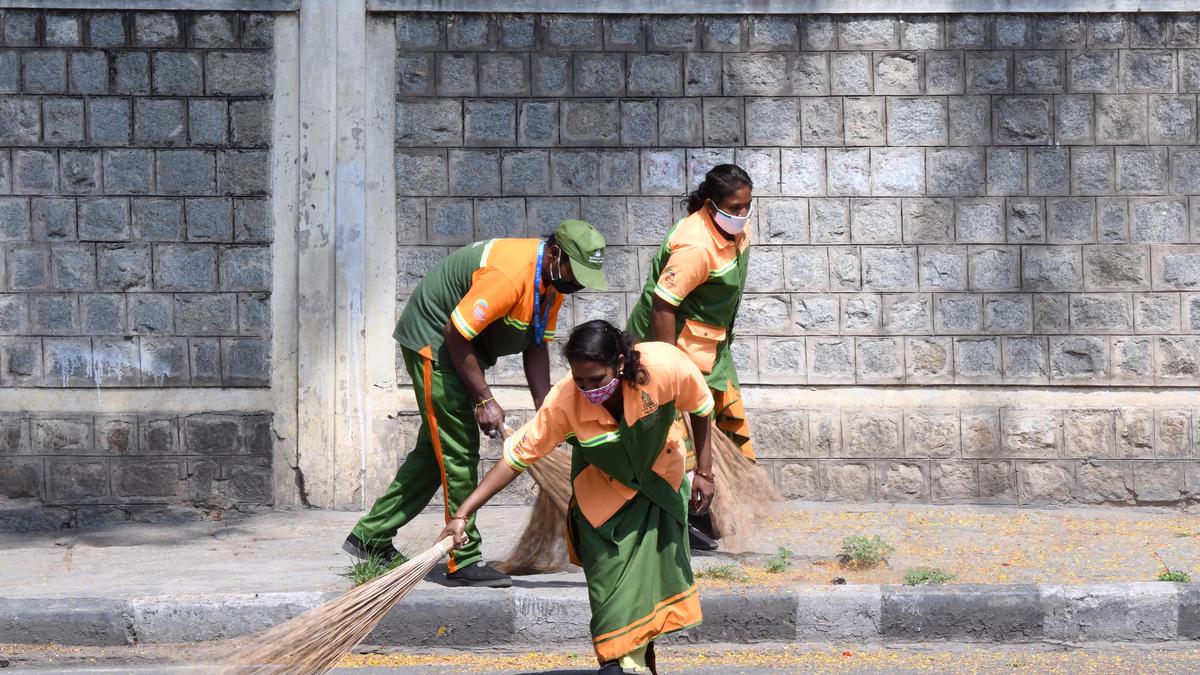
(539, 322)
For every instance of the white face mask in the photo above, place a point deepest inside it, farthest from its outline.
(730, 223)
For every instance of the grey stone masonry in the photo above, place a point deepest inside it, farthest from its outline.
(134, 165)
(969, 199)
(137, 464)
(983, 455)
(1007, 201)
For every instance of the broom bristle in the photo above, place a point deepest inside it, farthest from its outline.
(553, 476)
(743, 489)
(542, 547)
(315, 641)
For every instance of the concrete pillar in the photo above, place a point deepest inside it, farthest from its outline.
(289, 490)
(345, 245)
(316, 250)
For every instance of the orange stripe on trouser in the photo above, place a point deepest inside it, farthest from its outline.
(445, 455)
(730, 417)
(431, 420)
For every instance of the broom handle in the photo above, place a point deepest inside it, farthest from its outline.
(445, 546)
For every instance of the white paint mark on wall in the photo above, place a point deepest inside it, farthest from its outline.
(71, 359)
(157, 368)
(101, 362)
(351, 251)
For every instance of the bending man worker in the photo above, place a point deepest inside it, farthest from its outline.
(486, 300)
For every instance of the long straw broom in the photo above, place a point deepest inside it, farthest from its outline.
(743, 491)
(315, 641)
(542, 547)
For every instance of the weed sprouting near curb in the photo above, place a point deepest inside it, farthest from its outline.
(1168, 574)
(862, 552)
(926, 576)
(361, 571)
(1176, 576)
(781, 562)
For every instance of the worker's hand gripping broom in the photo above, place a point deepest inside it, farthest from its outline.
(316, 640)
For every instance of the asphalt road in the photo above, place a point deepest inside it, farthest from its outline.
(1164, 658)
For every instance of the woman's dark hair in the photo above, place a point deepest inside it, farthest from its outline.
(599, 341)
(721, 181)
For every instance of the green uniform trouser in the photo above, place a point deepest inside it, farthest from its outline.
(446, 456)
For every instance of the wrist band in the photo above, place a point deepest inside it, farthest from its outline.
(709, 476)
(485, 402)
(462, 518)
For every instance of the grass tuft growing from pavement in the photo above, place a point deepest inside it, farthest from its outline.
(862, 552)
(361, 571)
(926, 576)
(726, 572)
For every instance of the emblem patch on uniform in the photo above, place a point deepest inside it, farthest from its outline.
(648, 404)
(480, 309)
(669, 277)
(596, 257)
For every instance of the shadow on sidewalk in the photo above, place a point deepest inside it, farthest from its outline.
(438, 576)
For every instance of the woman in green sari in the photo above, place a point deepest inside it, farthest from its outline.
(621, 410)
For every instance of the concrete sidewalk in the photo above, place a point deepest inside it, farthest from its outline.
(1062, 575)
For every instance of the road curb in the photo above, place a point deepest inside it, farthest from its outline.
(88, 622)
(458, 617)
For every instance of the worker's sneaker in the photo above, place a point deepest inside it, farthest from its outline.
(355, 547)
(700, 540)
(479, 574)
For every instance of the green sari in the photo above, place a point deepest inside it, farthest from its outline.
(638, 562)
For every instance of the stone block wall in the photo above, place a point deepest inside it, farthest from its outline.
(1026, 455)
(101, 467)
(944, 204)
(135, 232)
(134, 168)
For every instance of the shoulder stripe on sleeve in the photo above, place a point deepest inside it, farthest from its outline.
(461, 324)
(667, 295)
(512, 461)
(705, 409)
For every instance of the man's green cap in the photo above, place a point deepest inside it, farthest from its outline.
(584, 245)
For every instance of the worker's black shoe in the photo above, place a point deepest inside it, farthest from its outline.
(480, 575)
(355, 547)
(610, 668)
(700, 540)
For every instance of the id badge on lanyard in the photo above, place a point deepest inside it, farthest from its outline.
(540, 321)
